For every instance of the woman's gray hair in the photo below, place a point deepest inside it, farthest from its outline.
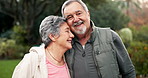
(66, 3)
(50, 25)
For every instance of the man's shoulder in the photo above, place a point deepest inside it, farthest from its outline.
(107, 30)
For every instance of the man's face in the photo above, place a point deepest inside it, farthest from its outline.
(77, 18)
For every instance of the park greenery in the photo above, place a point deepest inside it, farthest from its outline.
(20, 20)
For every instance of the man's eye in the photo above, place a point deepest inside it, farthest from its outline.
(69, 17)
(79, 13)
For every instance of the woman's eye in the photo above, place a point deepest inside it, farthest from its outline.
(67, 31)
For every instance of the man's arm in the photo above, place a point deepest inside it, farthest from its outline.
(126, 67)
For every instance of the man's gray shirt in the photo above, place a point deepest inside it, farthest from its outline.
(84, 66)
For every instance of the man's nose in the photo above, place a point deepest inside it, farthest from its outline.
(76, 18)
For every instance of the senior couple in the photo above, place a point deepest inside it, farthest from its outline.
(73, 47)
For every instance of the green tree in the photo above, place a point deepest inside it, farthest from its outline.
(109, 15)
(126, 35)
(14, 46)
(127, 4)
(28, 13)
(140, 34)
(94, 2)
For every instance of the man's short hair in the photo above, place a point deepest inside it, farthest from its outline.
(66, 3)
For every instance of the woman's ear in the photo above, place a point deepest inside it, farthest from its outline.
(51, 36)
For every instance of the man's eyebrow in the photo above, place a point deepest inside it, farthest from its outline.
(71, 14)
(78, 11)
(68, 15)
(75, 12)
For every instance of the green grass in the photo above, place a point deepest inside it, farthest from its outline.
(7, 67)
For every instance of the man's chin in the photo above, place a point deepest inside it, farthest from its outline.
(80, 32)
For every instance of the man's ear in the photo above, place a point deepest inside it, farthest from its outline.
(88, 13)
(52, 37)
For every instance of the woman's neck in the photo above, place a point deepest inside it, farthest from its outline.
(55, 55)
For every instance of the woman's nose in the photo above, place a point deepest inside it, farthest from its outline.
(71, 35)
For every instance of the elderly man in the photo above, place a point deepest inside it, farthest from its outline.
(97, 52)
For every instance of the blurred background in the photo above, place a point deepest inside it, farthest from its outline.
(20, 20)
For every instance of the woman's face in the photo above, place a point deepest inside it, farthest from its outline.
(65, 38)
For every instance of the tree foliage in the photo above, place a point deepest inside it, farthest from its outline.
(28, 13)
(14, 46)
(139, 17)
(126, 36)
(139, 55)
(140, 34)
(94, 2)
(127, 4)
(109, 15)
(6, 22)
(10, 49)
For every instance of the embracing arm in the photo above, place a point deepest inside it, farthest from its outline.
(126, 67)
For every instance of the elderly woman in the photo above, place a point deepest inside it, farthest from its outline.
(46, 61)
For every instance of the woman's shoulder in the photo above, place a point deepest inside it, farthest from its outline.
(34, 55)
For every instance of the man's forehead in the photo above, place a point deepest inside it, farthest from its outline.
(72, 7)
(67, 13)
